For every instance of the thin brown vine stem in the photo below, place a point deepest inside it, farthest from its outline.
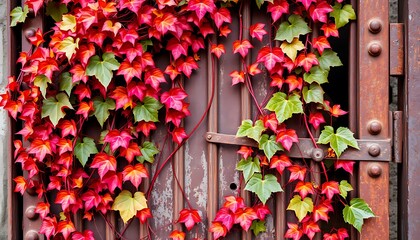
(111, 226)
(179, 185)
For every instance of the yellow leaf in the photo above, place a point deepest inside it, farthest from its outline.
(128, 205)
(68, 46)
(290, 49)
(68, 23)
(301, 207)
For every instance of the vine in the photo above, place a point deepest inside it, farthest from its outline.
(94, 70)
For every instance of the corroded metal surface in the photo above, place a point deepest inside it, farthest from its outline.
(396, 49)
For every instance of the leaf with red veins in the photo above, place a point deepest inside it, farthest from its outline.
(48, 227)
(304, 188)
(337, 111)
(65, 198)
(270, 56)
(132, 5)
(145, 127)
(201, 7)
(85, 108)
(293, 231)
(40, 148)
(310, 228)
(104, 163)
(234, 203)
(226, 217)
(306, 3)
(174, 98)
(122, 100)
(21, 184)
(342, 233)
(346, 165)
(237, 77)
(64, 145)
(135, 173)
(117, 139)
(277, 8)
(218, 50)
(86, 235)
(78, 74)
(257, 31)
(186, 65)
(66, 228)
(242, 47)
(178, 135)
(245, 151)
(253, 69)
(164, 22)
(82, 92)
(43, 209)
(177, 47)
(320, 43)
(48, 67)
(294, 82)
(287, 137)
(220, 16)
(320, 212)
(306, 61)
(38, 38)
(130, 70)
(316, 119)
(177, 235)
(297, 172)
(319, 12)
(137, 89)
(280, 162)
(189, 217)
(245, 217)
(330, 189)
(330, 30)
(90, 199)
(261, 210)
(154, 77)
(224, 31)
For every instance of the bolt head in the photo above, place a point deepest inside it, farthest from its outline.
(374, 150)
(317, 154)
(375, 49)
(31, 235)
(375, 26)
(374, 170)
(374, 127)
(30, 213)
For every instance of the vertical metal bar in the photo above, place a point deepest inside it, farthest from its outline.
(280, 216)
(143, 231)
(109, 233)
(373, 74)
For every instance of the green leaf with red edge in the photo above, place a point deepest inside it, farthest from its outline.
(338, 141)
(148, 151)
(314, 93)
(42, 81)
(301, 207)
(189, 217)
(342, 14)
(101, 109)
(345, 187)
(284, 105)
(269, 145)
(245, 216)
(135, 173)
(263, 187)
(356, 212)
(18, 15)
(258, 227)
(102, 69)
(249, 167)
(316, 74)
(291, 49)
(128, 205)
(247, 129)
(329, 59)
(294, 27)
(148, 110)
(53, 107)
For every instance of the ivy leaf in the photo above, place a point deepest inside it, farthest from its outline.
(68, 47)
(284, 106)
(42, 81)
(329, 59)
(301, 207)
(84, 149)
(316, 74)
(356, 212)
(293, 28)
(148, 111)
(342, 15)
(65, 83)
(18, 15)
(269, 145)
(338, 141)
(52, 107)
(68, 23)
(258, 227)
(102, 70)
(344, 188)
(247, 130)
(128, 205)
(263, 187)
(249, 167)
(314, 93)
(56, 10)
(291, 49)
(101, 109)
(148, 151)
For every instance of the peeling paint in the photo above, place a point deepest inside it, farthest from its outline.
(200, 192)
(187, 166)
(162, 197)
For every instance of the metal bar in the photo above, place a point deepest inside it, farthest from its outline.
(398, 134)
(109, 232)
(280, 208)
(307, 146)
(396, 49)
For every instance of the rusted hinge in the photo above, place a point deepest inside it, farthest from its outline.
(396, 49)
(397, 135)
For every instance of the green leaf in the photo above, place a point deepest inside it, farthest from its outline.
(148, 152)
(292, 29)
(18, 15)
(316, 74)
(68, 46)
(284, 106)
(356, 212)
(301, 207)
(338, 141)
(52, 107)
(42, 81)
(102, 70)
(65, 83)
(56, 10)
(329, 59)
(342, 15)
(263, 188)
(129, 205)
(314, 93)
(291, 49)
(269, 145)
(84, 149)
(148, 111)
(258, 227)
(145, 44)
(101, 109)
(344, 188)
(261, 2)
(247, 130)
(249, 167)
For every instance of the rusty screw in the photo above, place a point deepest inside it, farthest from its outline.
(375, 26)
(374, 127)
(317, 154)
(30, 213)
(374, 49)
(209, 137)
(31, 235)
(374, 170)
(374, 150)
(30, 32)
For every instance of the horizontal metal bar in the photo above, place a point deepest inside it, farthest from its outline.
(305, 147)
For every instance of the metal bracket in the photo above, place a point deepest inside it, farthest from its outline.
(396, 49)
(397, 136)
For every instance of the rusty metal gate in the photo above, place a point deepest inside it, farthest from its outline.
(372, 49)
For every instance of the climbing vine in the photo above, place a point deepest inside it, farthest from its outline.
(96, 68)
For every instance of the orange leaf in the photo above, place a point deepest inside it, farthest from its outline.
(177, 235)
(134, 174)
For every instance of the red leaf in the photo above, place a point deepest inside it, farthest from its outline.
(174, 98)
(270, 56)
(310, 228)
(261, 211)
(234, 203)
(226, 217)
(245, 217)
(21, 184)
(164, 22)
(294, 82)
(48, 227)
(320, 212)
(218, 230)
(135, 173)
(132, 5)
(242, 47)
(85, 52)
(330, 189)
(297, 172)
(306, 61)
(237, 77)
(277, 8)
(86, 235)
(306, 3)
(293, 231)
(218, 50)
(342, 233)
(85, 108)
(104, 163)
(189, 217)
(145, 127)
(137, 89)
(66, 228)
(328, 236)
(304, 188)
(82, 91)
(117, 139)
(270, 121)
(121, 98)
(221, 16)
(253, 69)
(276, 81)
(186, 66)
(131, 152)
(330, 30)
(55, 183)
(179, 134)
(66, 198)
(257, 31)
(35, 5)
(245, 151)
(112, 180)
(320, 11)
(316, 119)
(177, 235)
(320, 43)
(38, 38)
(172, 72)
(177, 47)
(40, 148)
(337, 111)
(144, 214)
(68, 127)
(90, 199)
(346, 165)
(43, 209)
(130, 70)
(280, 162)
(287, 137)
(201, 7)
(224, 31)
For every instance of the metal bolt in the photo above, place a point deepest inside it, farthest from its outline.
(31, 235)
(30, 32)
(375, 26)
(30, 213)
(374, 170)
(209, 137)
(375, 49)
(374, 127)
(317, 154)
(374, 150)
